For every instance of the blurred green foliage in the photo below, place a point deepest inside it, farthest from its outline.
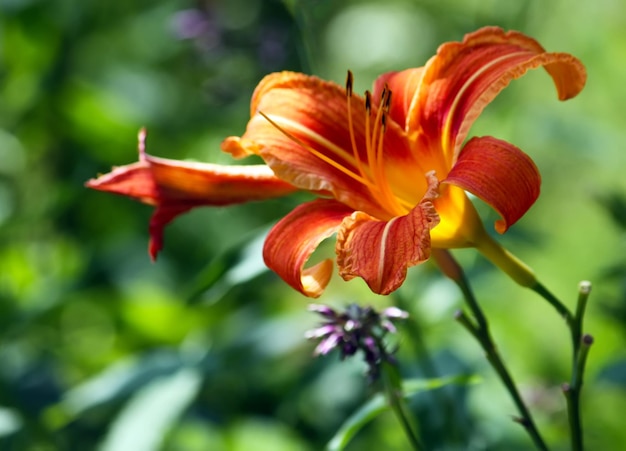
(101, 349)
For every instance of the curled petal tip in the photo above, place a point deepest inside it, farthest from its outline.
(294, 238)
(500, 174)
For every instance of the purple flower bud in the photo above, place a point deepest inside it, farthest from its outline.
(395, 312)
(349, 349)
(388, 326)
(323, 310)
(327, 345)
(320, 332)
(356, 329)
(370, 343)
(350, 325)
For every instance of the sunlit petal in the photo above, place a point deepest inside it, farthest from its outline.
(403, 86)
(500, 174)
(301, 128)
(175, 187)
(459, 226)
(381, 251)
(293, 239)
(465, 76)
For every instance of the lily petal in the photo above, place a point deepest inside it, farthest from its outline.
(175, 187)
(300, 126)
(465, 76)
(381, 251)
(460, 225)
(403, 86)
(500, 174)
(293, 239)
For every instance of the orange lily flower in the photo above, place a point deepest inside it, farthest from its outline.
(391, 168)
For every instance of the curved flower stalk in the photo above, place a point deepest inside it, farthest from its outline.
(391, 168)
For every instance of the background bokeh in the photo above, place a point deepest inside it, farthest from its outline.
(204, 350)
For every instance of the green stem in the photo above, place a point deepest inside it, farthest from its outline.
(496, 362)
(581, 345)
(584, 289)
(392, 383)
(480, 331)
(503, 259)
(558, 305)
(580, 349)
(524, 276)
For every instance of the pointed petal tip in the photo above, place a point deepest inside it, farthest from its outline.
(153, 249)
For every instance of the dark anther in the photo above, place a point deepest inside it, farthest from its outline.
(349, 83)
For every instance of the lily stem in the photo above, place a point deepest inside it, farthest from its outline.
(478, 327)
(524, 276)
(580, 349)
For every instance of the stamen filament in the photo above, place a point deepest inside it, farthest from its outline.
(379, 171)
(374, 150)
(320, 155)
(355, 150)
(369, 173)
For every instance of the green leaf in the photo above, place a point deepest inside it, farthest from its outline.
(356, 421)
(118, 381)
(149, 415)
(239, 263)
(377, 405)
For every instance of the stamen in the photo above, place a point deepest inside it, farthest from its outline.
(349, 83)
(387, 103)
(368, 113)
(376, 160)
(318, 154)
(373, 171)
(370, 172)
(355, 150)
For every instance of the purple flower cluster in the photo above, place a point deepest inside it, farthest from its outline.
(357, 328)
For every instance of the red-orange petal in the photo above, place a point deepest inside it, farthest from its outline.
(465, 76)
(293, 239)
(300, 126)
(500, 174)
(175, 187)
(403, 86)
(380, 252)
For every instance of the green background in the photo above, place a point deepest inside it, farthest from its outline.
(204, 350)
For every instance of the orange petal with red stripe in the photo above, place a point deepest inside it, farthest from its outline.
(500, 174)
(465, 76)
(293, 239)
(380, 252)
(175, 187)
